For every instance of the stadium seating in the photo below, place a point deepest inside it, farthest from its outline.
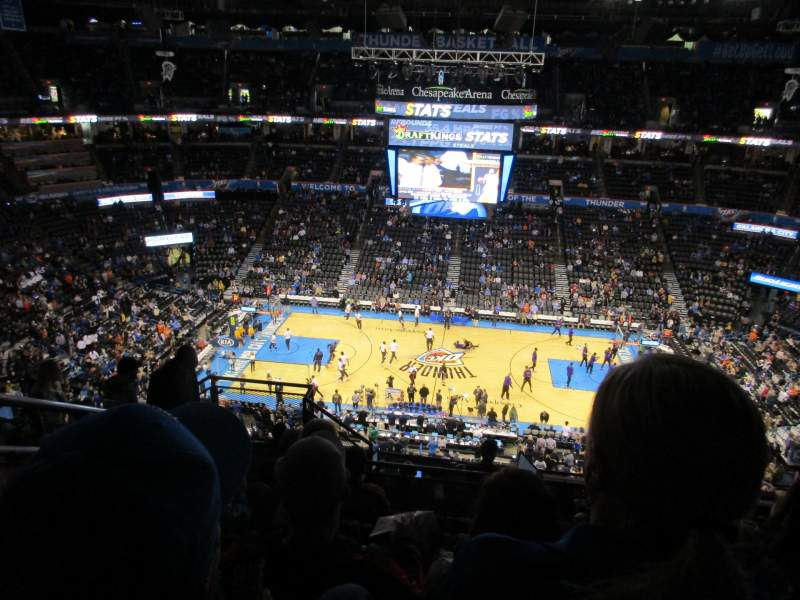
(712, 264)
(506, 260)
(614, 262)
(404, 258)
(531, 175)
(308, 245)
(288, 499)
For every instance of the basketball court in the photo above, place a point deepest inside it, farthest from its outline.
(501, 349)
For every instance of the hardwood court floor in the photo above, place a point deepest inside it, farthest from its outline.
(500, 350)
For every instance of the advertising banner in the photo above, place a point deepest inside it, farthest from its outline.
(773, 281)
(451, 134)
(498, 93)
(436, 110)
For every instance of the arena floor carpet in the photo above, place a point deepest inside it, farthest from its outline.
(504, 348)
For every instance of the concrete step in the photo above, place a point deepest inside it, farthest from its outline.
(348, 270)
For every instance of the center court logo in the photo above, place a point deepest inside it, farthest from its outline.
(429, 363)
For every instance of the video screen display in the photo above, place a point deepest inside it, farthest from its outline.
(455, 176)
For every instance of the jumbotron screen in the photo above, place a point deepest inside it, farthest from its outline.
(461, 178)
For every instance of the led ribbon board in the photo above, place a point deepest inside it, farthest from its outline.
(169, 239)
(788, 234)
(191, 195)
(436, 110)
(773, 281)
(465, 135)
(127, 199)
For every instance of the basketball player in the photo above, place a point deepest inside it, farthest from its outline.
(343, 362)
(416, 315)
(570, 371)
(607, 358)
(358, 318)
(393, 349)
(287, 338)
(429, 339)
(401, 318)
(383, 352)
(584, 355)
(590, 364)
(527, 374)
(317, 361)
(557, 327)
(506, 386)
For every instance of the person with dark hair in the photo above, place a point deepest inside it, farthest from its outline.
(313, 557)
(531, 516)
(48, 382)
(136, 492)
(175, 382)
(661, 511)
(120, 388)
(775, 556)
(225, 438)
(487, 452)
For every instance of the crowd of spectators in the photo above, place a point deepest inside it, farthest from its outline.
(712, 264)
(305, 515)
(81, 289)
(308, 245)
(509, 261)
(403, 258)
(614, 263)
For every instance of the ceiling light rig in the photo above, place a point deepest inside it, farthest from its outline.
(497, 63)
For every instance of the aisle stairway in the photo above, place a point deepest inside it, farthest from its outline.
(674, 288)
(454, 271)
(560, 266)
(248, 261)
(348, 271)
(562, 282)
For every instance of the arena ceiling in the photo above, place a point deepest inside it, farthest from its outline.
(564, 20)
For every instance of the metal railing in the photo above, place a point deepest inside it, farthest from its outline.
(32, 418)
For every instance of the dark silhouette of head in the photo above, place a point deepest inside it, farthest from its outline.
(136, 492)
(531, 516)
(128, 367)
(653, 454)
(312, 480)
(186, 356)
